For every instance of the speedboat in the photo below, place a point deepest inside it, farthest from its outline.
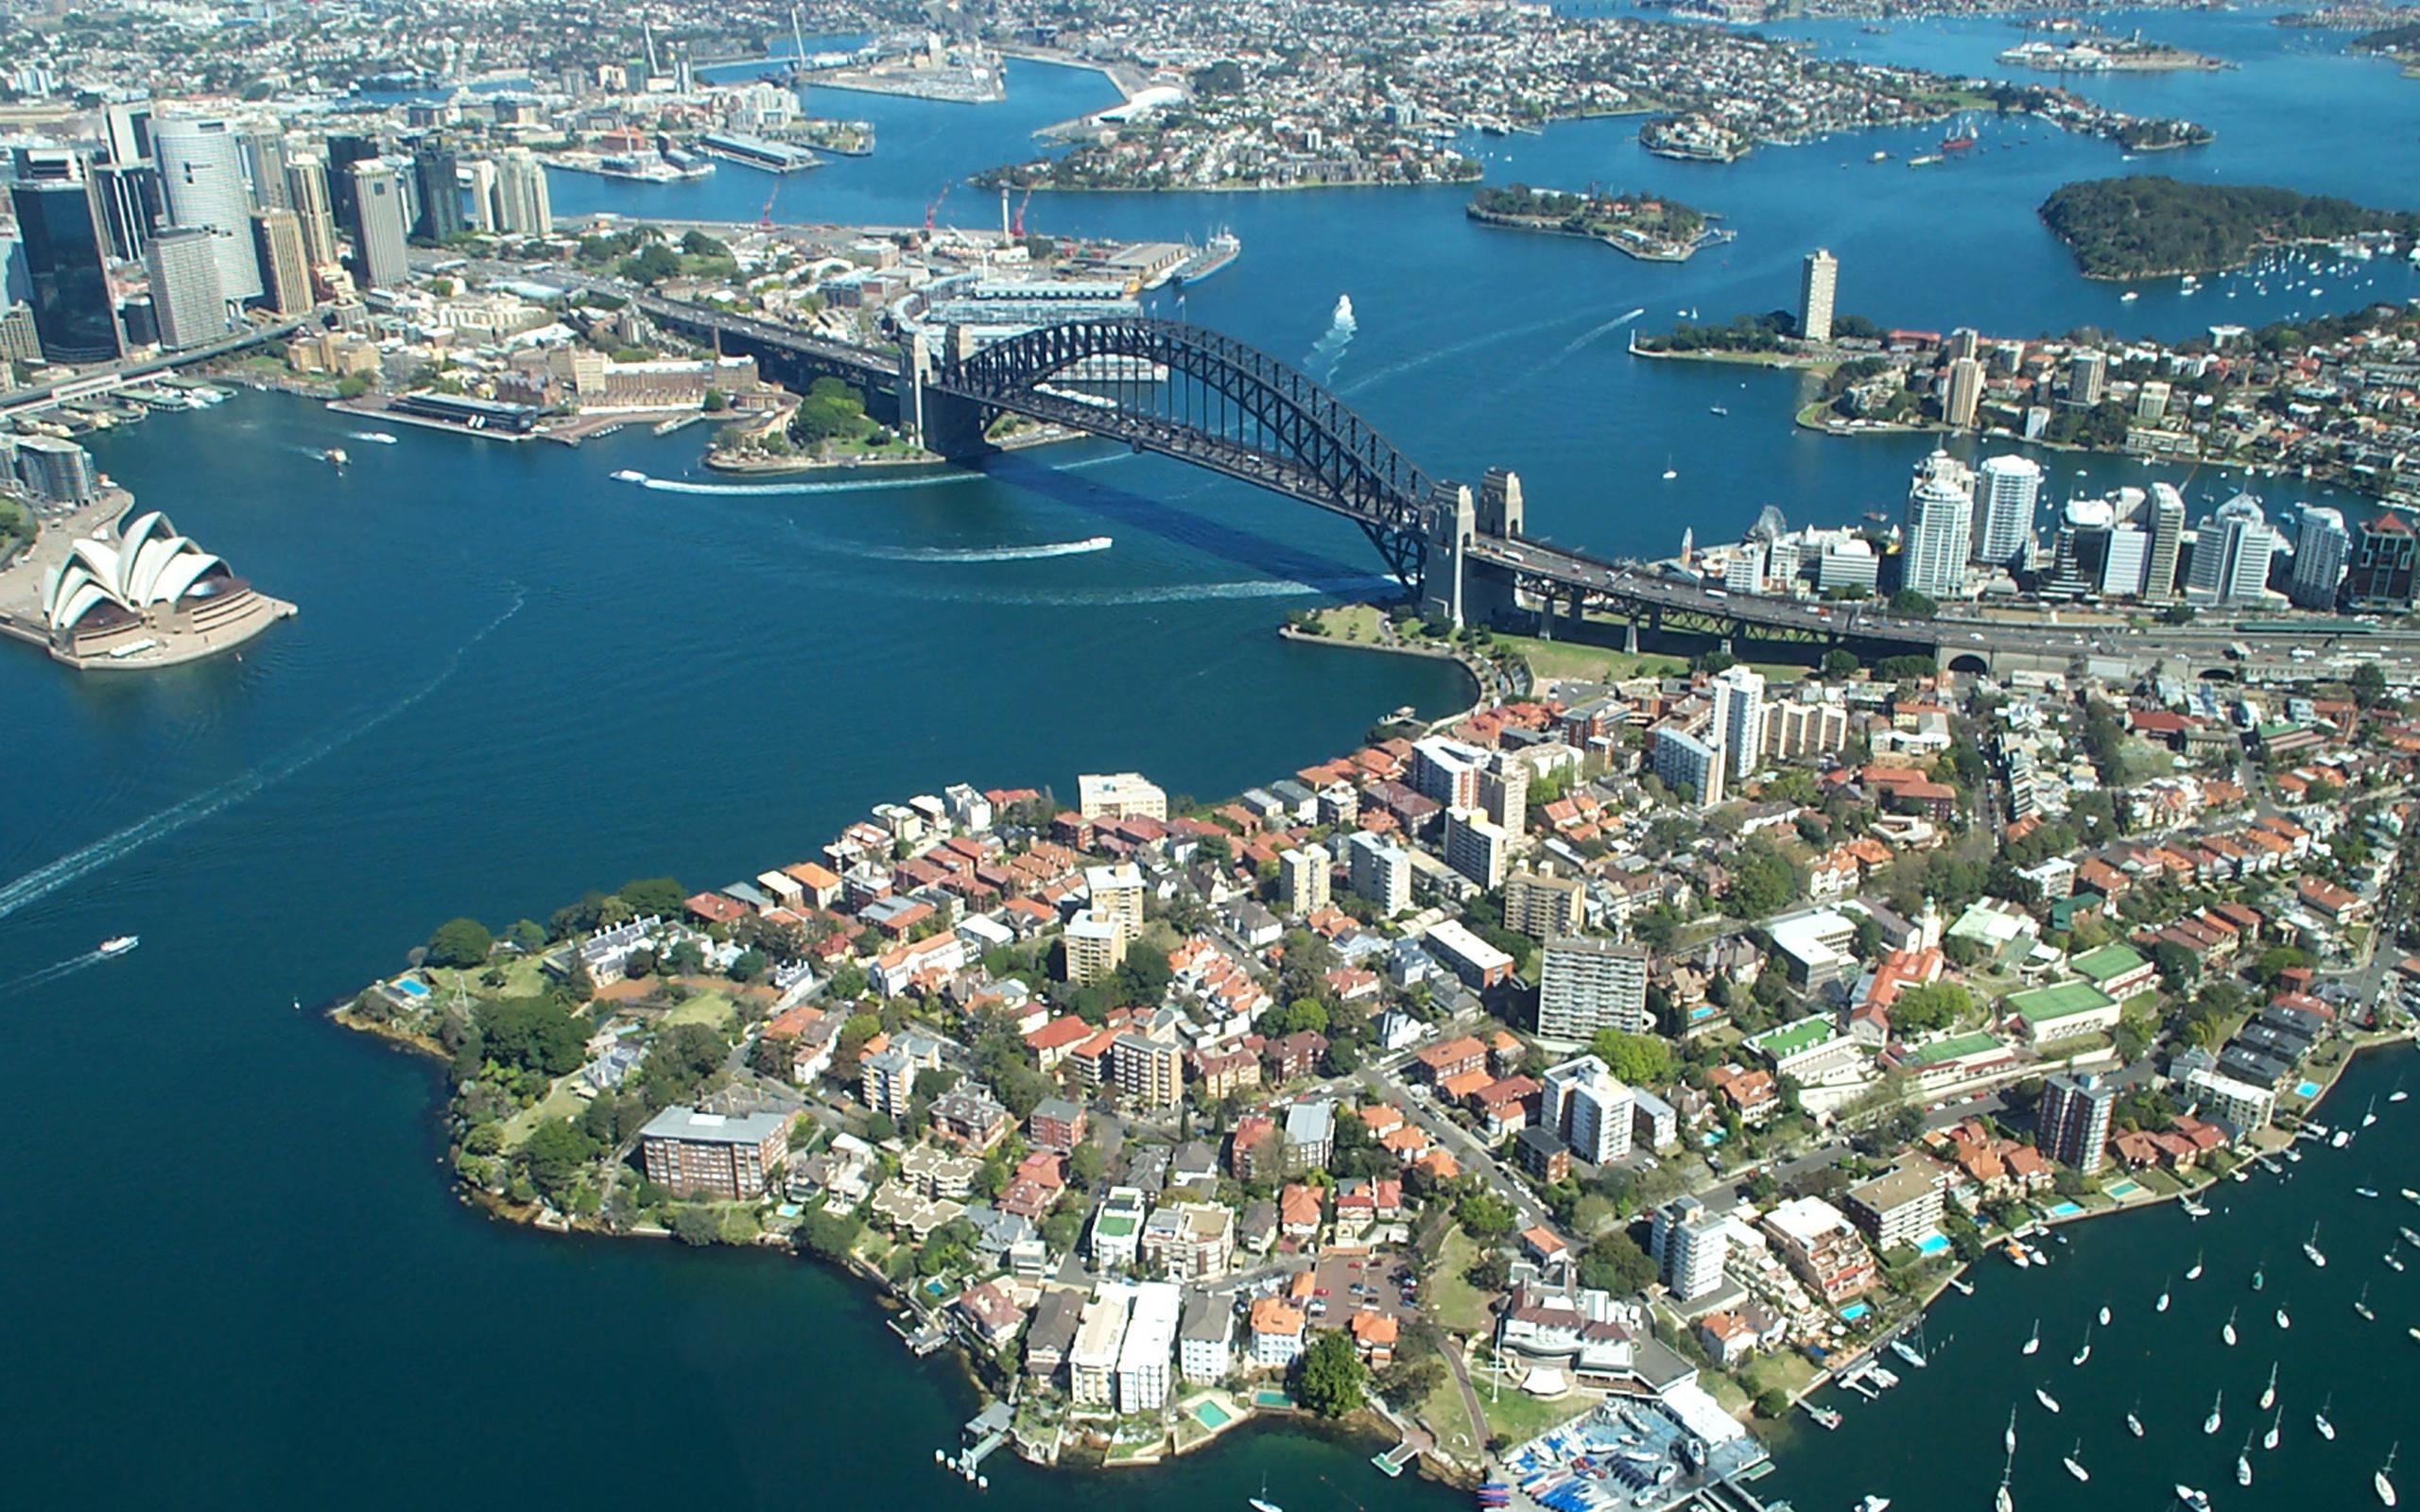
(119, 944)
(2049, 1402)
(1874, 1504)
(628, 474)
(2210, 1424)
(2197, 1501)
(335, 456)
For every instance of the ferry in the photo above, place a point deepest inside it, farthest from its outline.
(335, 456)
(119, 944)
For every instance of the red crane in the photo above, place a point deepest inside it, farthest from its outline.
(1018, 229)
(765, 217)
(934, 208)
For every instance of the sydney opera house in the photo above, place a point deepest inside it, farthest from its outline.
(150, 597)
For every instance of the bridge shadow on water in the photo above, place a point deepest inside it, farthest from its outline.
(1247, 549)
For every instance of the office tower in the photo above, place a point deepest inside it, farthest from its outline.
(1738, 726)
(306, 191)
(521, 207)
(2073, 1126)
(1380, 871)
(378, 258)
(1940, 525)
(128, 196)
(2087, 373)
(19, 341)
(479, 176)
(1966, 391)
(2321, 547)
(2231, 555)
(2383, 566)
(126, 128)
(343, 151)
(1302, 880)
(2007, 489)
(264, 167)
(1543, 906)
(43, 163)
(201, 177)
(1586, 983)
(285, 268)
(185, 296)
(2121, 571)
(436, 174)
(2168, 539)
(1817, 283)
(67, 279)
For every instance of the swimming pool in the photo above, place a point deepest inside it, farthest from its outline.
(2064, 1209)
(1853, 1312)
(2307, 1088)
(1211, 1415)
(2124, 1189)
(1267, 1397)
(411, 986)
(1931, 1244)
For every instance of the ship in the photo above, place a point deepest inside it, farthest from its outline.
(119, 944)
(628, 474)
(1924, 159)
(1961, 138)
(1223, 249)
(335, 456)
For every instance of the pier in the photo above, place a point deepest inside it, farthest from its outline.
(983, 1434)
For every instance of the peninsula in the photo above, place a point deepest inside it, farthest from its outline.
(2153, 226)
(1650, 227)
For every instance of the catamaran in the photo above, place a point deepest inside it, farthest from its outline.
(2380, 1482)
(2361, 1304)
(2085, 1353)
(2276, 1426)
(2311, 1249)
(2319, 1418)
(2227, 1330)
(2035, 1343)
(2268, 1392)
(2075, 1466)
(2210, 1424)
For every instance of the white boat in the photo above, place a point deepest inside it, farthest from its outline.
(2009, 1439)
(2104, 1314)
(2370, 1114)
(2319, 1419)
(335, 456)
(2195, 1273)
(2227, 1330)
(2035, 1343)
(2210, 1424)
(2193, 1208)
(1874, 1504)
(2001, 1501)
(2243, 1463)
(2380, 1482)
(119, 944)
(2276, 1427)
(2259, 1276)
(2128, 298)
(2366, 1192)
(2268, 1392)
(382, 438)
(1262, 1502)
(2075, 1466)
(2085, 1353)
(1908, 1352)
(2050, 1403)
(1670, 473)
(2198, 1501)
(2393, 1257)
(2134, 1425)
(2412, 1196)
(2361, 1304)
(2283, 1321)
(2340, 1139)
(628, 474)
(2311, 1249)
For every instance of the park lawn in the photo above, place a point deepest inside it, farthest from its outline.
(1787, 1371)
(1449, 1418)
(559, 1102)
(1456, 1306)
(1568, 659)
(1350, 622)
(1515, 1417)
(712, 1007)
(2139, 761)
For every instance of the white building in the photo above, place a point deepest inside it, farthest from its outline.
(1148, 1352)
(1586, 983)
(1380, 871)
(2321, 547)
(1119, 796)
(2240, 1104)
(1302, 880)
(1940, 528)
(1739, 725)
(2009, 486)
(1476, 848)
(2231, 555)
(1206, 1339)
(1100, 1338)
(1688, 1243)
(201, 179)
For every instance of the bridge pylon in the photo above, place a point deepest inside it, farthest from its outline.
(942, 422)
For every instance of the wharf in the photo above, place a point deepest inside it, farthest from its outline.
(983, 1435)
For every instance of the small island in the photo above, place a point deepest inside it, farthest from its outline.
(2155, 226)
(2098, 52)
(1647, 227)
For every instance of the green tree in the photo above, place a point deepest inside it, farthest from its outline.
(1909, 604)
(460, 942)
(1613, 1262)
(829, 1234)
(556, 1155)
(532, 1034)
(1486, 1216)
(1086, 1165)
(661, 896)
(1637, 1059)
(1331, 1378)
(1929, 1008)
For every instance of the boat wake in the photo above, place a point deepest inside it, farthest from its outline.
(382, 438)
(1328, 350)
(1593, 333)
(1456, 349)
(52, 973)
(110, 849)
(978, 554)
(1183, 593)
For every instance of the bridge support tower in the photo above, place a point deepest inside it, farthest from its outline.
(941, 422)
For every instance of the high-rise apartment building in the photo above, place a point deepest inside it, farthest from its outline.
(2321, 548)
(1380, 871)
(2167, 543)
(521, 206)
(1586, 983)
(1543, 906)
(1304, 880)
(1739, 725)
(1940, 528)
(2385, 557)
(2072, 1120)
(1818, 282)
(1963, 394)
(2007, 489)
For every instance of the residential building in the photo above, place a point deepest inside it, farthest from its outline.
(1379, 871)
(1310, 1134)
(1055, 1123)
(2009, 488)
(1964, 392)
(1150, 1073)
(1476, 848)
(2071, 1123)
(1940, 528)
(1902, 1205)
(1685, 763)
(695, 1154)
(1581, 1103)
(1101, 1337)
(1688, 1243)
(2321, 548)
(1479, 965)
(2386, 555)
(1738, 724)
(1303, 879)
(521, 206)
(1117, 894)
(1586, 983)
(1189, 1242)
(2087, 376)
(186, 299)
(202, 180)
(1276, 1332)
(2231, 555)
(1206, 1339)
(1146, 1355)
(1095, 947)
(2167, 543)
(1819, 282)
(1541, 905)
(1117, 1229)
(1119, 796)
(2243, 1107)
(1821, 1248)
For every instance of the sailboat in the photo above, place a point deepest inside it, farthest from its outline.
(2380, 1482)
(2134, 1419)
(1262, 1502)
(1669, 471)
(2259, 1276)
(2075, 1466)
(2276, 1426)
(2398, 1094)
(2283, 1321)
(2319, 1418)
(2370, 1114)
(2210, 1424)
(2001, 1501)
(2361, 1304)
(2311, 1249)
(2035, 1343)
(2393, 1256)
(2195, 1273)
(2227, 1330)
(2161, 1306)
(2008, 1440)
(2085, 1353)
(2049, 1402)
(2268, 1392)
(2104, 1314)
(2243, 1463)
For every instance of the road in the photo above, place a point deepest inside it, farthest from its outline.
(1382, 1084)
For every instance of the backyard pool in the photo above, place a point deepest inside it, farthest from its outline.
(1211, 1415)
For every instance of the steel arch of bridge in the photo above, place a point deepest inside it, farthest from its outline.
(1244, 413)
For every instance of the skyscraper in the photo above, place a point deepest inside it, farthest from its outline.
(2009, 486)
(2088, 372)
(378, 258)
(343, 152)
(2168, 539)
(185, 296)
(69, 286)
(1738, 726)
(2321, 547)
(285, 268)
(306, 191)
(1940, 527)
(437, 173)
(1817, 283)
(2072, 1122)
(478, 175)
(264, 167)
(128, 196)
(201, 176)
(2231, 555)
(1965, 393)
(521, 207)
(128, 130)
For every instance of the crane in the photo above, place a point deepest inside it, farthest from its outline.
(934, 208)
(765, 217)
(1018, 230)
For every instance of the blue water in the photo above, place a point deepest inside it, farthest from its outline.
(513, 679)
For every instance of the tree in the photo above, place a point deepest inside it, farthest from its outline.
(1305, 1014)
(2178, 967)
(460, 942)
(556, 1155)
(1487, 1217)
(2369, 684)
(1929, 1008)
(748, 965)
(1086, 1164)
(1909, 604)
(661, 896)
(1615, 1263)
(1332, 1377)
(830, 1235)
(528, 1034)
(527, 934)
(1772, 1404)
(1635, 1059)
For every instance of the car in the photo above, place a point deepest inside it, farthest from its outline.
(1321, 1291)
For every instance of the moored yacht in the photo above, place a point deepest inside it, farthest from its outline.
(2268, 1392)
(2210, 1424)
(2361, 1304)
(2319, 1418)
(2075, 1465)
(2379, 1482)
(2193, 1273)
(2048, 1401)
(2035, 1342)
(2276, 1427)
(2226, 1330)
(2311, 1249)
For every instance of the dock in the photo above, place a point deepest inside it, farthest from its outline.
(921, 1340)
(983, 1434)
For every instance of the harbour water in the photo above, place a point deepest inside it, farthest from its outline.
(235, 1274)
